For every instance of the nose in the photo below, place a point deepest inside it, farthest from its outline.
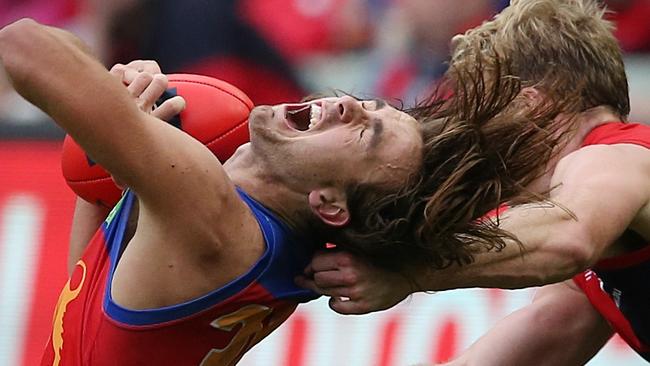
(349, 109)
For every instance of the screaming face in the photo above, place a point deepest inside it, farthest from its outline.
(335, 142)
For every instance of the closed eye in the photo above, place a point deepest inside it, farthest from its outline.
(361, 134)
(373, 105)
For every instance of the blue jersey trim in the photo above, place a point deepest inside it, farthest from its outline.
(115, 223)
(275, 237)
(290, 257)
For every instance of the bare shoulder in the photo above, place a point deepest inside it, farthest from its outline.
(624, 162)
(192, 226)
(616, 175)
(607, 187)
(197, 237)
(191, 203)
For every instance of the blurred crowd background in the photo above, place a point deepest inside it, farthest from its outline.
(281, 50)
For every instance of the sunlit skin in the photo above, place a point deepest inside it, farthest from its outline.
(194, 233)
(362, 141)
(352, 141)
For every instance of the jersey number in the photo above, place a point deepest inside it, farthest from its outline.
(251, 318)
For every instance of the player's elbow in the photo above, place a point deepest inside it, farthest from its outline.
(579, 256)
(575, 252)
(15, 43)
(16, 32)
(19, 26)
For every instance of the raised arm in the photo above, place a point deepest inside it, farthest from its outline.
(193, 232)
(52, 69)
(138, 77)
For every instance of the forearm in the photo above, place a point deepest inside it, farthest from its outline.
(547, 254)
(560, 327)
(53, 70)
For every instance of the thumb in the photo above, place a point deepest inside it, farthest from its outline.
(347, 306)
(169, 108)
(307, 283)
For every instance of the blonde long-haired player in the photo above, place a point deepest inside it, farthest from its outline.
(541, 103)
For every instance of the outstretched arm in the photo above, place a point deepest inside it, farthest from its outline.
(560, 327)
(593, 207)
(52, 69)
(138, 77)
(182, 188)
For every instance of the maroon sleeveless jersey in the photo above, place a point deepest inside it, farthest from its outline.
(619, 287)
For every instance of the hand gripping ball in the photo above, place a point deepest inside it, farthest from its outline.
(216, 114)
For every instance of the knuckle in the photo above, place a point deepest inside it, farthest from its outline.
(145, 76)
(141, 104)
(133, 93)
(323, 280)
(129, 74)
(160, 80)
(318, 278)
(350, 278)
(344, 259)
(318, 258)
(153, 66)
(117, 67)
(135, 63)
(356, 293)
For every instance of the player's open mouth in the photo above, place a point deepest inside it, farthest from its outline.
(303, 117)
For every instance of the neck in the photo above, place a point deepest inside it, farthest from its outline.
(576, 130)
(245, 172)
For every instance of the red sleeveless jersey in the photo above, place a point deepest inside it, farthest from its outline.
(89, 328)
(619, 287)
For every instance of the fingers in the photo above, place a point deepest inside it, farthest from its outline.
(331, 260)
(147, 88)
(118, 71)
(139, 83)
(310, 284)
(148, 66)
(343, 277)
(138, 76)
(344, 292)
(322, 261)
(126, 74)
(137, 66)
(144, 82)
(340, 300)
(337, 278)
(306, 282)
(309, 270)
(169, 108)
(331, 273)
(348, 306)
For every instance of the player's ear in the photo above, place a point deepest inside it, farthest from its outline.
(330, 205)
